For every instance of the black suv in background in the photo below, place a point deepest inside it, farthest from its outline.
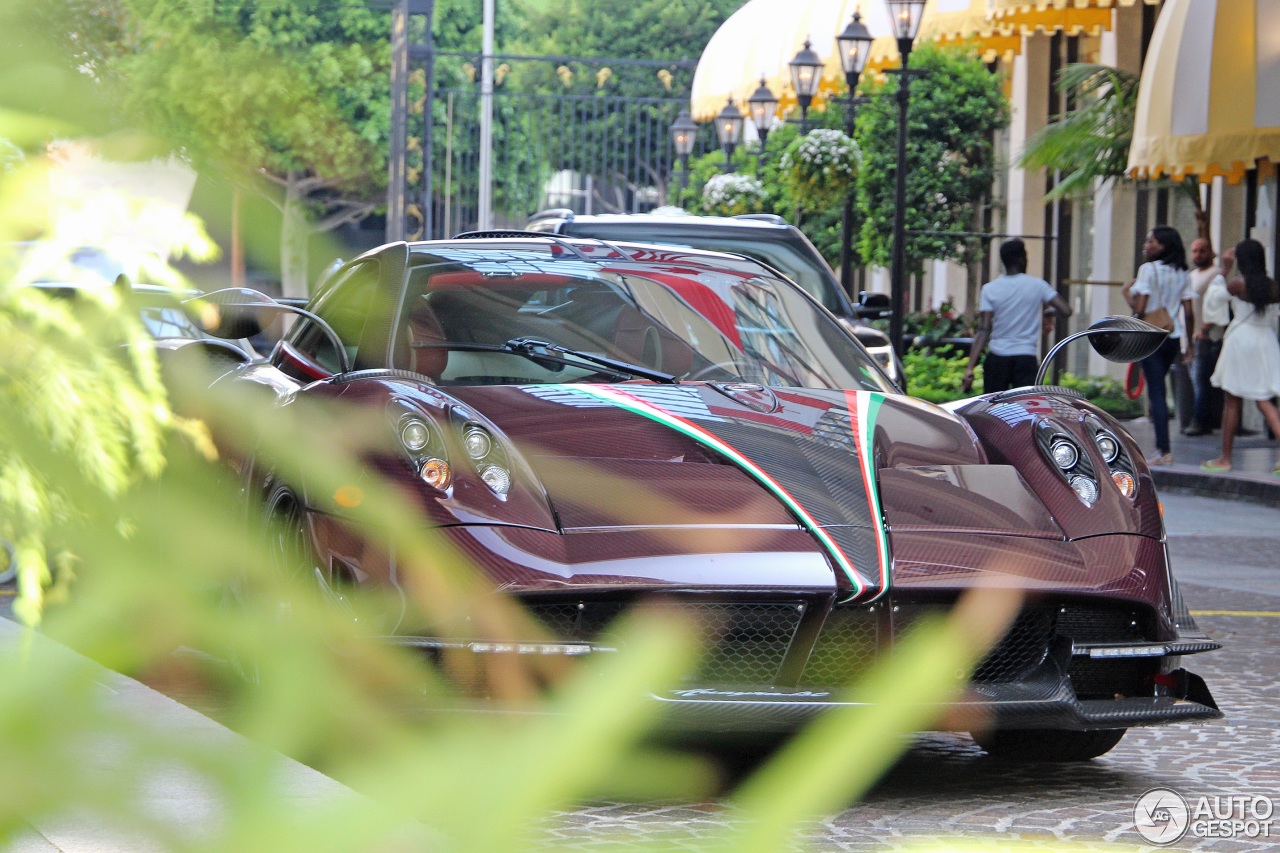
(763, 237)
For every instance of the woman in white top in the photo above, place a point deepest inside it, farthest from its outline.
(1249, 367)
(1163, 283)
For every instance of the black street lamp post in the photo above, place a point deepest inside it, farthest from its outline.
(905, 15)
(729, 123)
(762, 105)
(683, 132)
(854, 45)
(806, 74)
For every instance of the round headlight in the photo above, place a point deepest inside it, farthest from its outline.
(1085, 489)
(477, 442)
(1064, 453)
(1124, 482)
(436, 473)
(1107, 446)
(496, 479)
(415, 435)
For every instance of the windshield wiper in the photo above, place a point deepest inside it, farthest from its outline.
(532, 347)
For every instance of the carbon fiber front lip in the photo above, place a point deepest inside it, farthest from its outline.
(1005, 706)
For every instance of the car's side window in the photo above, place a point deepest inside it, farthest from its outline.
(346, 308)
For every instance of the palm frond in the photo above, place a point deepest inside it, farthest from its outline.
(1091, 140)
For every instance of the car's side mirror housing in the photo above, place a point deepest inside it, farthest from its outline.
(1115, 338)
(233, 313)
(873, 306)
(241, 312)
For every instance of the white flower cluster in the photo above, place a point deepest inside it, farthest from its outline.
(826, 152)
(732, 190)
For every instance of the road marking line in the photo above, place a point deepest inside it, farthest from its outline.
(1272, 613)
(8, 593)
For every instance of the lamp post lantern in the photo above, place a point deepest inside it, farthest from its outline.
(683, 132)
(762, 105)
(905, 16)
(854, 45)
(729, 123)
(806, 74)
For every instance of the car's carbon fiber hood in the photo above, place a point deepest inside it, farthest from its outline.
(638, 455)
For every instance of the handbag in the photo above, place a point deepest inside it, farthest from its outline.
(1160, 318)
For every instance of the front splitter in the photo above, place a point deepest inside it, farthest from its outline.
(986, 706)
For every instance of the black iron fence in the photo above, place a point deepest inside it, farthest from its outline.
(593, 146)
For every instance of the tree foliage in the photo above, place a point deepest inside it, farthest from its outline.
(953, 114)
(288, 98)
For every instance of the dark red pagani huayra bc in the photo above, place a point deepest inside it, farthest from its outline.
(594, 425)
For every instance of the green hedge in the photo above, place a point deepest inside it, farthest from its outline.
(936, 378)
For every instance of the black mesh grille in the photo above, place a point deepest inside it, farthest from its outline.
(746, 643)
(1022, 649)
(846, 647)
(1085, 624)
(561, 620)
(1107, 679)
(742, 643)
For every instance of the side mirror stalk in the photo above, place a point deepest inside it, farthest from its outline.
(1120, 339)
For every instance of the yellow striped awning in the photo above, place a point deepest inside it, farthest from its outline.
(970, 25)
(1073, 17)
(1209, 100)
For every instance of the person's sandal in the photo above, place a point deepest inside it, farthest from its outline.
(1213, 468)
(1160, 459)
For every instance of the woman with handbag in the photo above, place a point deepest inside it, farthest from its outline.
(1249, 366)
(1162, 296)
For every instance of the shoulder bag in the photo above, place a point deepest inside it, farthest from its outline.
(1160, 318)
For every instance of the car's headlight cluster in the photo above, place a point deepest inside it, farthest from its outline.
(1119, 466)
(486, 454)
(424, 445)
(426, 451)
(1075, 466)
(1070, 459)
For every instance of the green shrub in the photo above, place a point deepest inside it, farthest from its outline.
(1105, 393)
(935, 376)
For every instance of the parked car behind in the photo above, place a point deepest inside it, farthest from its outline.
(764, 237)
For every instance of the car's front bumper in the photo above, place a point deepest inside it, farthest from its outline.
(1044, 702)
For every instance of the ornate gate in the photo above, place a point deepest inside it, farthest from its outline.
(589, 134)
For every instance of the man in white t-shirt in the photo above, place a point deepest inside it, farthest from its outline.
(1011, 315)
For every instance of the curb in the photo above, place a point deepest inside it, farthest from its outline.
(1265, 492)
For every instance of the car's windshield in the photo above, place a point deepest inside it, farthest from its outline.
(694, 324)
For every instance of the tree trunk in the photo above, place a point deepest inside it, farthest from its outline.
(973, 261)
(1191, 186)
(294, 233)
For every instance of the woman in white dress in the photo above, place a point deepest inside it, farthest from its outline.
(1249, 367)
